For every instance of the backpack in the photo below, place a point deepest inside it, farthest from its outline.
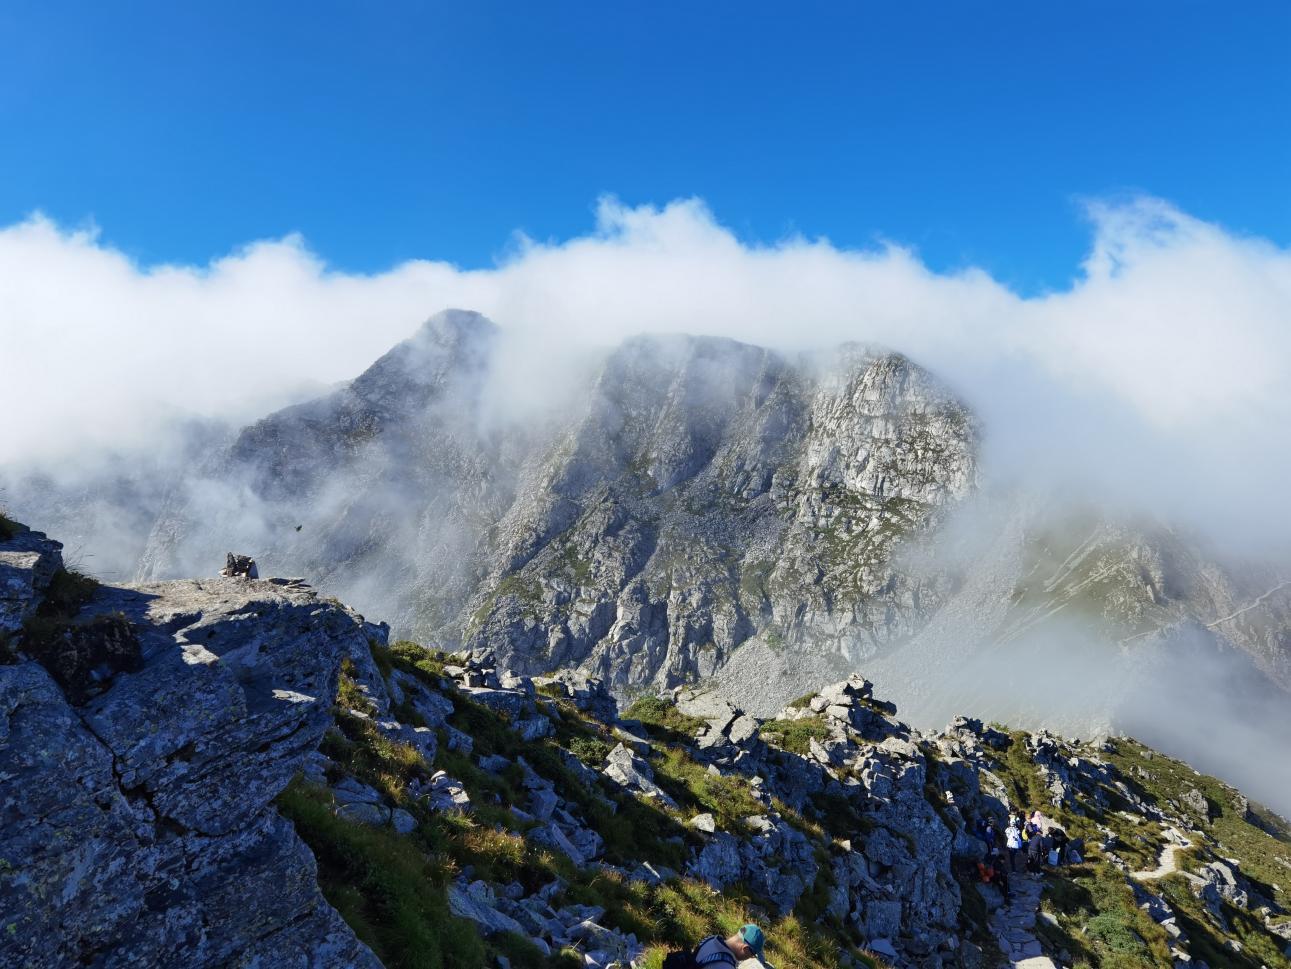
(690, 960)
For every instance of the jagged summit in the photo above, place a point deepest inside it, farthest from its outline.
(448, 344)
(453, 326)
(699, 496)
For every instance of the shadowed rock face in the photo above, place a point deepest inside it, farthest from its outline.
(135, 824)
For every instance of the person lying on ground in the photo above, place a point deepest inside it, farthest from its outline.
(747, 943)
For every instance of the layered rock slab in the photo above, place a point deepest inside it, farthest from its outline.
(136, 828)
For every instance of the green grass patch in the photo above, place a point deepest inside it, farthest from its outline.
(689, 783)
(662, 718)
(1206, 940)
(393, 898)
(1098, 921)
(1264, 857)
(795, 736)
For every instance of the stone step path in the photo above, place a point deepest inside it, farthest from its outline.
(1014, 924)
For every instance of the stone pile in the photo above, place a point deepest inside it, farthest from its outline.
(588, 693)
(728, 736)
(239, 566)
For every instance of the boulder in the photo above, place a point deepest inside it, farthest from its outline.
(631, 772)
(553, 836)
(442, 793)
(533, 728)
(704, 822)
(706, 706)
(719, 862)
(542, 802)
(477, 902)
(516, 704)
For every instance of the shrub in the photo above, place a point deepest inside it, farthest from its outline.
(8, 528)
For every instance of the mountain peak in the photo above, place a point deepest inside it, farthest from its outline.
(450, 327)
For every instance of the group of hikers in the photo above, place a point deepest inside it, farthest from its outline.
(1027, 842)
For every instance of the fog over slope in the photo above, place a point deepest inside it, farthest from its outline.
(1153, 393)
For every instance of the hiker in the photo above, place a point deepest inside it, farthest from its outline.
(1013, 841)
(991, 872)
(747, 943)
(1060, 844)
(997, 862)
(984, 829)
(1037, 853)
(1033, 828)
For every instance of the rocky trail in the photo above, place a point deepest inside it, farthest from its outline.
(1166, 864)
(1014, 924)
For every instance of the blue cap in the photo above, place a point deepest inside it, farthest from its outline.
(752, 935)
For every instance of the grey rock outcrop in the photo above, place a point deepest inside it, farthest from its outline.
(631, 772)
(28, 562)
(136, 826)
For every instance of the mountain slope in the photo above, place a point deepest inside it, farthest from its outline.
(703, 491)
(704, 508)
(459, 814)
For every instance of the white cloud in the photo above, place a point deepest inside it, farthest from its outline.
(1159, 379)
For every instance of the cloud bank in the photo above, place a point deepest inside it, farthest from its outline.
(1160, 380)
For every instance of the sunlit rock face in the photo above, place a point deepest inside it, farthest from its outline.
(137, 774)
(698, 507)
(700, 492)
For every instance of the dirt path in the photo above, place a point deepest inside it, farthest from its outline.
(1166, 863)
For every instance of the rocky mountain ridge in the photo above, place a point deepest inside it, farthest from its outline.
(706, 510)
(704, 492)
(149, 731)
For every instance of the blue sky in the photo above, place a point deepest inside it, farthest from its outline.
(382, 132)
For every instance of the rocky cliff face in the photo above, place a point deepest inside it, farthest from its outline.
(702, 493)
(144, 732)
(713, 492)
(701, 497)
